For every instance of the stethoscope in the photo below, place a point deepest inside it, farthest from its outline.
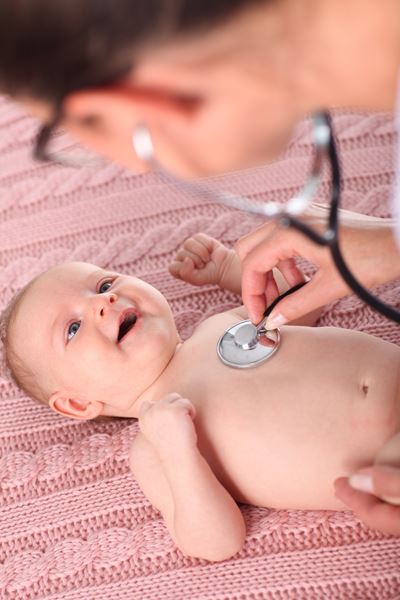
(244, 344)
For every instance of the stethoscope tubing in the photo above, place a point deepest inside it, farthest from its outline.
(291, 290)
(330, 237)
(143, 146)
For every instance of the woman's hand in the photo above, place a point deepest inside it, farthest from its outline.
(377, 481)
(373, 493)
(367, 245)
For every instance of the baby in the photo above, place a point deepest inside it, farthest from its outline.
(91, 342)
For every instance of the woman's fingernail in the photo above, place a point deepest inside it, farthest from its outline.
(362, 481)
(275, 321)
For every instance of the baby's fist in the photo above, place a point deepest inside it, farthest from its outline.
(168, 424)
(200, 261)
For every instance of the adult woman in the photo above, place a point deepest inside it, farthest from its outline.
(219, 84)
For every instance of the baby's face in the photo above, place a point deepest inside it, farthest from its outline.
(98, 334)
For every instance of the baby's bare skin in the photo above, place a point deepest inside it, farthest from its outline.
(278, 435)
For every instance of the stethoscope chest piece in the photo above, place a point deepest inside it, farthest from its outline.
(243, 345)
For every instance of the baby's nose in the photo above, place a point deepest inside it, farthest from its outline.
(103, 302)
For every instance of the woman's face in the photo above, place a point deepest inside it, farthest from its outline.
(229, 98)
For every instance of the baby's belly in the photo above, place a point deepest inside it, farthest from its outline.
(281, 441)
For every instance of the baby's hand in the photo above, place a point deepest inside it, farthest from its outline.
(201, 260)
(168, 424)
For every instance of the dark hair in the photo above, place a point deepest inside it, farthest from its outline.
(49, 48)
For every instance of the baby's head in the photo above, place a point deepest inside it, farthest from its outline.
(87, 341)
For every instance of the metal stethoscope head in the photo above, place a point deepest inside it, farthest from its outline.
(249, 340)
(246, 345)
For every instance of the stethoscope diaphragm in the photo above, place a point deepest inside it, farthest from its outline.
(246, 345)
(242, 346)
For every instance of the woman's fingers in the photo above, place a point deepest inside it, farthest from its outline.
(291, 272)
(254, 284)
(381, 480)
(254, 289)
(268, 248)
(311, 296)
(258, 260)
(374, 512)
(271, 289)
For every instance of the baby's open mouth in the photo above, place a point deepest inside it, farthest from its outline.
(126, 325)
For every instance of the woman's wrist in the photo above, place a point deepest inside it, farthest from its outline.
(371, 252)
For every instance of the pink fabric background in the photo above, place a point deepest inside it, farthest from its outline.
(73, 522)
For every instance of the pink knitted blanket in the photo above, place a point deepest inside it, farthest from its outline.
(73, 521)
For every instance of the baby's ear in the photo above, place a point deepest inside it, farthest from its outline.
(62, 403)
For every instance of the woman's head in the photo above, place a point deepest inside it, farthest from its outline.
(49, 49)
(219, 83)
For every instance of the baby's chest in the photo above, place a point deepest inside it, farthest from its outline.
(234, 410)
(244, 415)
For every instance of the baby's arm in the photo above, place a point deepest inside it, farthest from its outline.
(202, 517)
(204, 260)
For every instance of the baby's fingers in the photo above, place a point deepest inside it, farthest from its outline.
(187, 269)
(145, 407)
(175, 268)
(200, 245)
(186, 253)
(175, 400)
(187, 406)
(184, 269)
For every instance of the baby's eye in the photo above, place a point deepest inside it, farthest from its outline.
(104, 287)
(73, 330)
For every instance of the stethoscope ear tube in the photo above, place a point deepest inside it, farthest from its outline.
(330, 236)
(271, 307)
(325, 147)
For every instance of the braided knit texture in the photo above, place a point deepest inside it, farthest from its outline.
(74, 524)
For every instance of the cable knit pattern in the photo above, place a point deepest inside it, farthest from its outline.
(74, 524)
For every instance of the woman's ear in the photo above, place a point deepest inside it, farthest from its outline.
(63, 404)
